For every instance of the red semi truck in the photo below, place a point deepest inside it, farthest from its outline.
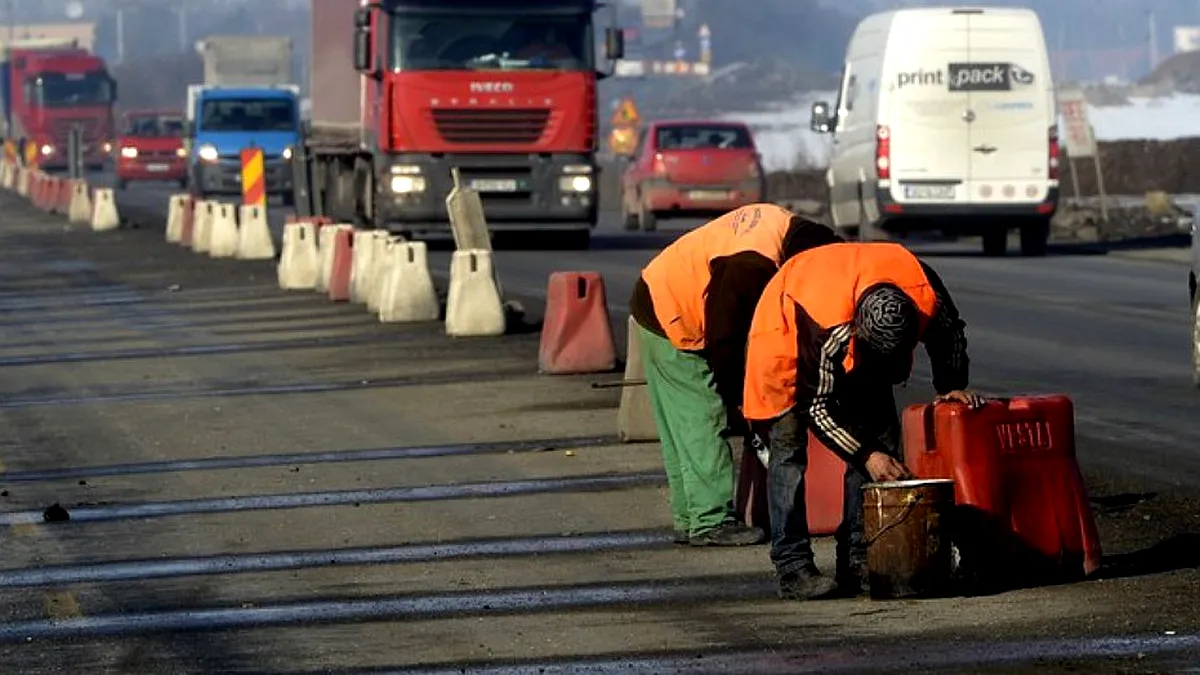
(50, 87)
(503, 90)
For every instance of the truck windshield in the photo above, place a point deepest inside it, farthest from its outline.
(457, 42)
(152, 127)
(237, 114)
(62, 90)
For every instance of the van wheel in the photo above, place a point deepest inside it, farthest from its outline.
(1034, 236)
(647, 221)
(995, 242)
(629, 219)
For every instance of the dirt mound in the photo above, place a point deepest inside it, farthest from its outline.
(1181, 72)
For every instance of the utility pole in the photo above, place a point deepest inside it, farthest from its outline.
(183, 27)
(1152, 35)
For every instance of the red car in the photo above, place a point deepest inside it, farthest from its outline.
(150, 148)
(690, 169)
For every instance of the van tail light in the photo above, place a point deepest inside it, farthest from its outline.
(755, 172)
(883, 152)
(1055, 154)
(660, 165)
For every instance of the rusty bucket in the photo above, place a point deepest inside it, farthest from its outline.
(908, 537)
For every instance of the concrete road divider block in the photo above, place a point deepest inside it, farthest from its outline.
(325, 237)
(381, 246)
(360, 271)
(35, 188)
(635, 417)
(80, 212)
(191, 213)
(202, 237)
(467, 220)
(300, 264)
(23, 182)
(254, 234)
(409, 294)
(104, 211)
(576, 334)
(224, 243)
(6, 173)
(343, 262)
(474, 307)
(62, 200)
(175, 208)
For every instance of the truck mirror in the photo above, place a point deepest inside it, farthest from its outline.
(362, 51)
(614, 43)
(362, 18)
(821, 121)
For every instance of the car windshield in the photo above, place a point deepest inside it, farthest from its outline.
(245, 114)
(152, 127)
(457, 42)
(59, 90)
(696, 137)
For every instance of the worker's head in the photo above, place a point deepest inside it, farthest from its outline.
(803, 234)
(887, 329)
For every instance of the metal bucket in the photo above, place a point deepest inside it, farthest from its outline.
(908, 537)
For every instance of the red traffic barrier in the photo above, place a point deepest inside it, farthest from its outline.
(576, 334)
(824, 487)
(188, 226)
(343, 260)
(36, 186)
(62, 196)
(1022, 507)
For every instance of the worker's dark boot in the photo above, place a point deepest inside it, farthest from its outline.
(729, 533)
(681, 537)
(806, 583)
(853, 579)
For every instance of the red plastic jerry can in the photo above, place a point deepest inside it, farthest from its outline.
(823, 488)
(1021, 500)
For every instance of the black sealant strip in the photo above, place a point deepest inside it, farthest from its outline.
(190, 507)
(413, 607)
(835, 658)
(272, 390)
(294, 458)
(157, 568)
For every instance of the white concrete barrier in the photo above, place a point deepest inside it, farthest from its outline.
(224, 242)
(175, 218)
(381, 245)
(104, 212)
(362, 265)
(254, 234)
(299, 263)
(408, 292)
(202, 226)
(474, 307)
(80, 211)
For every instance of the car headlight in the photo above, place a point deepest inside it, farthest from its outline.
(181, 152)
(108, 147)
(207, 153)
(47, 149)
(575, 184)
(129, 153)
(287, 152)
(408, 184)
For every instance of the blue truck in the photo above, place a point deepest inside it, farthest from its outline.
(245, 102)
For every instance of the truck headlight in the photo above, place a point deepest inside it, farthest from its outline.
(107, 146)
(575, 183)
(208, 153)
(408, 184)
(181, 153)
(287, 152)
(47, 149)
(129, 153)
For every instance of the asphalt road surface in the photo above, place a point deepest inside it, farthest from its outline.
(260, 481)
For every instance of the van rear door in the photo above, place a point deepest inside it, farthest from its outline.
(930, 142)
(1012, 101)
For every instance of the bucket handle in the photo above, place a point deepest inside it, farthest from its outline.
(909, 505)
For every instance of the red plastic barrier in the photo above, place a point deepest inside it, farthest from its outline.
(1022, 502)
(62, 203)
(343, 259)
(824, 482)
(189, 222)
(576, 333)
(36, 185)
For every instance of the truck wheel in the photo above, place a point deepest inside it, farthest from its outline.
(647, 221)
(1034, 236)
(183, 183)
(288, 199)
(629, 221)
(995, 242)
(122, 184)
(1196, 344)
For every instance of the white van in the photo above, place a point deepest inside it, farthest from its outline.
(945, 120)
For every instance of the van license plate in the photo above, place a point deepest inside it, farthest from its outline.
(929, 191)
(708, 195)
(157, 168)
(493, 185)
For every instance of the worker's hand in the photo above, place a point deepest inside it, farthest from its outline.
(970, 398)
(883, 467)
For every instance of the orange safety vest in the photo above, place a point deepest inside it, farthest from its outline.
(827, 282)
(678, 277)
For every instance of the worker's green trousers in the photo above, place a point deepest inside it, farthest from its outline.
(690, 417)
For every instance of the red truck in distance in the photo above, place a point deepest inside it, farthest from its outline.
(150, 148)
(504, 90)
(49, 91)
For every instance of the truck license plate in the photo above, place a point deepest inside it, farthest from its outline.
(158, 168)
(708, 195)
(494, 185)
(929, 191)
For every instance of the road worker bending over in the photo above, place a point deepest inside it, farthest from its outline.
(693, 305)
(834, 331)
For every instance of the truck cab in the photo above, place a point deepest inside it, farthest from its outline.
(223, 121)
(150, 147)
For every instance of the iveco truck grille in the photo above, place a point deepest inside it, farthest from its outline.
(476, 127)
